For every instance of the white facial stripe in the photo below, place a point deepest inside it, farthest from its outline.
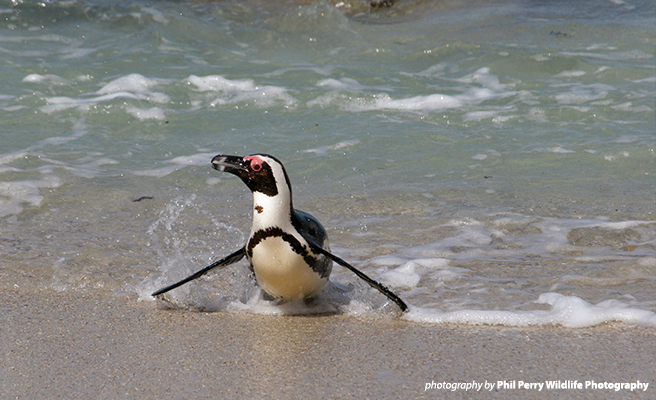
(278, 173)
(275, 210)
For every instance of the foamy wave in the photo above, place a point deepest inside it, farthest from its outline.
(337, 146)
(568, 311)
(217, 90)
(48, 78)
(514, 237)
(479, 87)
(583, 93)
(133, 83)
(155, 113)
(241, 91)
(340, 84)
(612, 56)
(15, 195)
(570, 74)
(132, 87)
(431, 102)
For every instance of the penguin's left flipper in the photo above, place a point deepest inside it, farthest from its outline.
(231, 259)
(376, 285)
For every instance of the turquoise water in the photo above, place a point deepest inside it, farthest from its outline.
(474, 157)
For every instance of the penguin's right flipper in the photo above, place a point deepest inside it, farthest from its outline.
(231, 259)
(376, 285)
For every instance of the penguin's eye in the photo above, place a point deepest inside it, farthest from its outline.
(255, 163)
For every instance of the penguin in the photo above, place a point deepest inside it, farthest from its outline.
(287, 249)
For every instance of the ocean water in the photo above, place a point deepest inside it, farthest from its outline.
(491, 162)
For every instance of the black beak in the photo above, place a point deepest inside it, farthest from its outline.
(233, 164)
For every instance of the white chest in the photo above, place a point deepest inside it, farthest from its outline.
(282, 272)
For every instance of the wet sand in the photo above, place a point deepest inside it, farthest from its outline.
(74, 345)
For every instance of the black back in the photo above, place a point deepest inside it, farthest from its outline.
(314, 232)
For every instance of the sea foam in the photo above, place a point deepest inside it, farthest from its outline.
(17, 193)
(567, 311)
(131, 87)
(241, 91)
(475, 88)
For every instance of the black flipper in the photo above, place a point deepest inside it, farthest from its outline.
(231, 259)
(378, 286)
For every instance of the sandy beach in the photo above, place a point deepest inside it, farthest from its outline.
(78, 346)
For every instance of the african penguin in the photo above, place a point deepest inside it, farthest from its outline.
(288, 249)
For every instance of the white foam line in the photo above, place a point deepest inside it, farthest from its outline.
(614, 56)
(568, 311)
(482, 87)
(338, 146)
(130, 83)
(241, 91)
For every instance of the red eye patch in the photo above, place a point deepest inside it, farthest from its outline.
(256, 162)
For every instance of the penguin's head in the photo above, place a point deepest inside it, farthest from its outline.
(262, 173)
